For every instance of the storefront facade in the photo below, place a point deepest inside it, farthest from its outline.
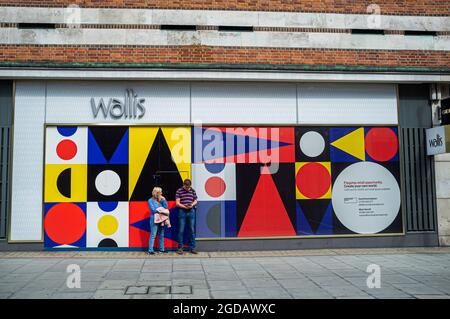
(300, 127)
(269, 161)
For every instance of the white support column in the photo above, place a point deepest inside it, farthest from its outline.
(442, 173)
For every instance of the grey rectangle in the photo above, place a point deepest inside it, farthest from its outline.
(355, 103)
(70, 101)
(27, 159)
(244, 103)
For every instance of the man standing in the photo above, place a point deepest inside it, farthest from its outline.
(186, 199)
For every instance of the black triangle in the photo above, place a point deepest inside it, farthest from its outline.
(283, 178)
(314, 210)
(159, 170)
(108, 138)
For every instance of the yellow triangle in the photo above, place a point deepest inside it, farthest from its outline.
(140, 142)
(352, 143)
(179, 141)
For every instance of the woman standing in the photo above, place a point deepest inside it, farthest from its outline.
(154, 203)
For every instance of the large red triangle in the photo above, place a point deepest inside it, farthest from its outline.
(266, 214)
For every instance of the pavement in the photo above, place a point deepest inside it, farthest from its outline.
(412, 273)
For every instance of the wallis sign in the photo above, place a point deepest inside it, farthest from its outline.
(438, 140)
(130, 107)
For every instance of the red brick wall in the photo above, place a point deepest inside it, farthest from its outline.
(223, 55)
(396, 7)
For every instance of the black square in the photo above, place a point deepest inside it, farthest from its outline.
(313, 136)
(112, 177)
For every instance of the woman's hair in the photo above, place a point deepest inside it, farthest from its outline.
(156, 190)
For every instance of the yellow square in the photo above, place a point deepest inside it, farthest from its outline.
(312, 180)
(65, 183)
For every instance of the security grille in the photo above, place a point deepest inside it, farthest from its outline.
(5, 132)
(418, 181)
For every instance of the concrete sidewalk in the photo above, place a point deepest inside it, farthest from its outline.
(405, 273)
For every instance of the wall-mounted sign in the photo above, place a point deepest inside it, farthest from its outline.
(438, 140)
(130, 107)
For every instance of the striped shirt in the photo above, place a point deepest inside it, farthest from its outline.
(186, 196)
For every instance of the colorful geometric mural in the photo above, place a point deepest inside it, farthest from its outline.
(98, 180)
(250, 182)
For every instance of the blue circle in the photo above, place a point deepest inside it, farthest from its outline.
(215, 168)
(67, 130)
(108, 206)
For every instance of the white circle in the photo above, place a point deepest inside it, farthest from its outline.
(366, 197)
(107, 182)
(312, 144)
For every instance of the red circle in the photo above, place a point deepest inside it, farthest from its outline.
(313, 180)
(381, 144)
(66, 149)
(65, 223)
(215, 186)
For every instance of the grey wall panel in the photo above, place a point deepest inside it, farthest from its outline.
(27, 161)
(336, 103)
(70, 102)
(409, 240)
(414, 105)
(244, 103)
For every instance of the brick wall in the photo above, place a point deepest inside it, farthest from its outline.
(225, 55)
(404, 7)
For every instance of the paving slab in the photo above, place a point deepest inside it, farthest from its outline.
(286, 275)
(222, 276)
(188, 274)
(297, 283)
(110, 294)
(273, 293)
(122, 275)
(225, 285)
(157, 268)
(45, 284)
(152, 296)
(137, 290)
(252, 274)
(418, 289)
(343, 291)
(33, 294)
(432, 296)
(181, 289)
(260, 283)
(85, 286)
(116, 284)
(155, 276)
(11, 287)
(398, 279)
(329, 281)
(195, 283)
(158, 290)
(235, 294)
(72, 295)
(309, 293)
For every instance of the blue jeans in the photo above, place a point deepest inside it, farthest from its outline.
(155, 229)
(189, 216)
